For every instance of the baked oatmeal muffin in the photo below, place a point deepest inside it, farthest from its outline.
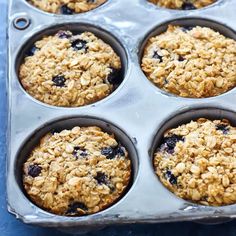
(194, 62)
(197, 162)
(70, 70)
(77, 172)
(183, 4)
(66, 7)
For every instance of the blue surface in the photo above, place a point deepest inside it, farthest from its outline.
(10, 226)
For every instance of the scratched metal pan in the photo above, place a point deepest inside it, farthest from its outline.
(137, 112)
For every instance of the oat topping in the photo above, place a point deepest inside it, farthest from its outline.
(70, 174)
(197, 162)
(194, 62)
(70, 70)
(183, 4)
(66, 7)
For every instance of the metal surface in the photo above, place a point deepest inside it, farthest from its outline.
(136, 107)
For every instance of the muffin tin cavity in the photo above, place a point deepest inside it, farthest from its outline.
(194, 156)
(65, 7)
(64, 174)
(71, 65)
(192, 58)
(183, 4)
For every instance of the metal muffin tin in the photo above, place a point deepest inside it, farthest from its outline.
(137, 111)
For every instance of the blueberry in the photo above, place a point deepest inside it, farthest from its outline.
(66, 10)
(91, 1)
(76, 208)
(169, 143)
(31, 51)
(172, 140)
(34, 170)
(188, 6)
(64, 34)
(120, 151)
(186, 28)
(114, 76)
(83, 153)
(109, 152)
(78, 151)
(181, 58)
(223, 128)
(59, 80)
(77, 148)
(157, 56)
(170, 177)
(101, 178)
(79, 44)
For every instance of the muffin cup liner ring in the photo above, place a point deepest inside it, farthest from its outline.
(141, 110)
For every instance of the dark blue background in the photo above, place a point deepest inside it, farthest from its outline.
(9, 226)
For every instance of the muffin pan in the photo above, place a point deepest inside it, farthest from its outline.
(137, 111)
